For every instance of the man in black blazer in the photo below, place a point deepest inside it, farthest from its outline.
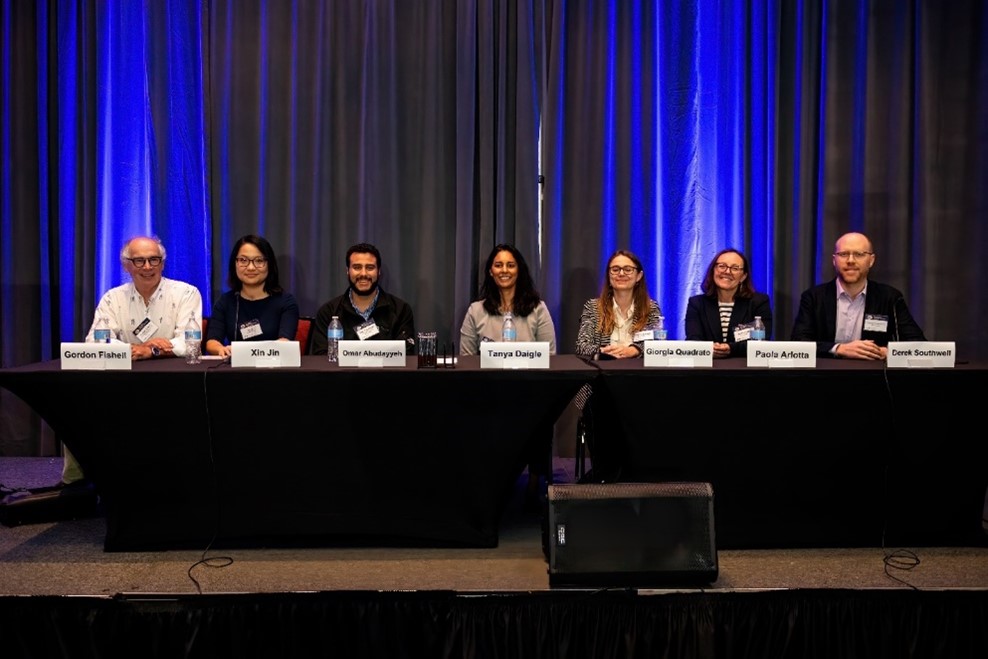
(850, 316)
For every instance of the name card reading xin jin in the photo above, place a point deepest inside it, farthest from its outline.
(679, 354)
(372, 354)
(95, 356)
(265, 354)
(522, 354)
(782, 354)
(921, 354)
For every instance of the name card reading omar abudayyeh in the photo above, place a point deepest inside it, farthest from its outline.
(95, 356)
(265, 354)
(921, 354)
(782, 354)
(372, 354)
(521, 354)
(679, 354)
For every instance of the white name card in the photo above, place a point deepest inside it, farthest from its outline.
(520, 354)
(265, 354)
(782, 354)
(372, 354)
(679, 354)
(95, 356)
(921, 354)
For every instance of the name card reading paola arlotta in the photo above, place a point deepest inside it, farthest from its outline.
(265, 354)
(95, 356)
(372, 354)
(921, 354)
(782, 354)
(679, 354)
(521, 354)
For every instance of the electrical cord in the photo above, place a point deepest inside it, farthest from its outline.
(211, 561)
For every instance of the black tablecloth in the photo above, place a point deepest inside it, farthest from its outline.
(846, 454)
(185, 453)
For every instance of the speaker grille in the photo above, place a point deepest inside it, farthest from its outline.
(637, 534)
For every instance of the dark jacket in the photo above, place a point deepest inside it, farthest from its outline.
(392, 315)
(817, 316)
(703, 320)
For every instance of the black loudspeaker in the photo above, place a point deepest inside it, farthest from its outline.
(634, 535)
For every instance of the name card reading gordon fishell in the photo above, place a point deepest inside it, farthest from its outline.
(782, 354)
(521, 354)
(265, 354)
(95, 356)
(372, 354)
(921, 354)
(679, 354)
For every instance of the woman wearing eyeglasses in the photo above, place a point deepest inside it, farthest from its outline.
(728, 300)
(609, 323)
(256, 308)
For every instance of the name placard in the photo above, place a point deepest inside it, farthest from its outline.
(372, 354)
(95, 356)
(782, 354)
(679, 354)
(520, 354)
(265, 354)
(921, 354)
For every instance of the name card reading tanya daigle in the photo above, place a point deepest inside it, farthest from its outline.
(95, 356)
(782, 354)
(679, 354)
(521, 354)
(921, 354)
(265, 354)
(372, 354)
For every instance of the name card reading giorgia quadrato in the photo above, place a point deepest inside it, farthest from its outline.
(921, 354)
(782, 354)
(520, 354)
(679, 354)
(372, 354)
(265, 354)
(95, 356)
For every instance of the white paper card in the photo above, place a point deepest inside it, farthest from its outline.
(372, 354)
(921, 354)
(95, 356)
(516, 354)
(782, 354)
(679, 354)
(265, 354)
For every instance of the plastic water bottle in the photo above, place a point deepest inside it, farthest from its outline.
(757, 330)
(660, 329)
(508, 331)
(333, 335)
(193, 341)
(102, 333)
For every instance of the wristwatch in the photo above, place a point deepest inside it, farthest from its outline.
(155, 352)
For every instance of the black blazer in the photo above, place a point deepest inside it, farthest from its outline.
(817, 316)
(703, 320)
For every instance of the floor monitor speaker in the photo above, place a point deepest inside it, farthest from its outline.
(631, 535)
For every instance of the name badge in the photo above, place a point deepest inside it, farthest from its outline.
(921, 354)
(265, 354)
(250, 329)
(367, 330)
(679, 354)
(875, 322)
(145, 330)
(742, 333)
(643, 335)
(782, 354)
(95, 356)
(372, 354)
(514, 354)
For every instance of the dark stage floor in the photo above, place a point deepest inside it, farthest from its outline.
(67, 558)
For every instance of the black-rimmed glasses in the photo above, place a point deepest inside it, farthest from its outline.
(627, 269)
(724, 267)
(140, 261)
(258, 261)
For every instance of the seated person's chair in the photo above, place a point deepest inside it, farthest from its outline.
(304, 333)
